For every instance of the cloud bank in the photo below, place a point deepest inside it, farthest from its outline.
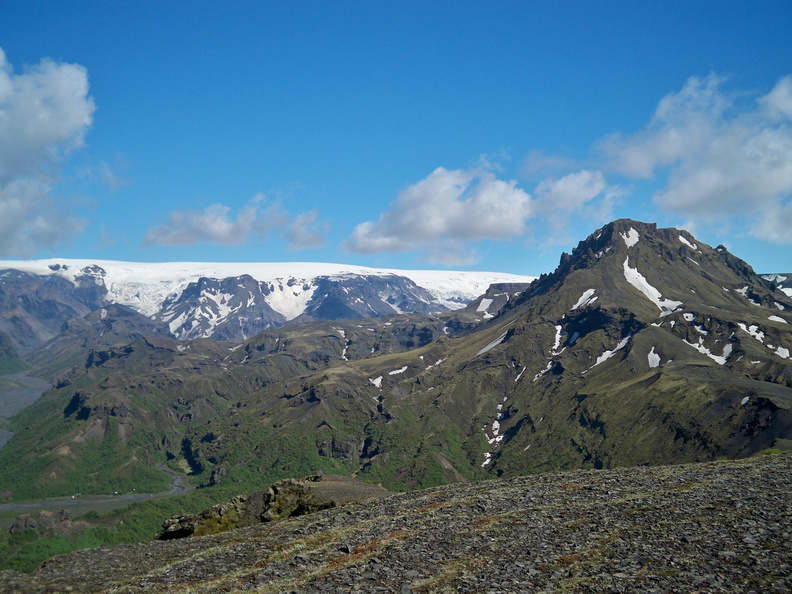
(216, 224)
(44, 115)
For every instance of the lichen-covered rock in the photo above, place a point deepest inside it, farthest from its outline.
(286, 498)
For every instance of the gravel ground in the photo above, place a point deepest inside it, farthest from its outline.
(711, 527)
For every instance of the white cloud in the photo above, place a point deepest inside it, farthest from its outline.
(582, 194)
(216, 224)
(571, 191)
(30, 219)
(303, 234)
(778, 102)
(719, 156)
(213, 224)
(44, 115)
(538, 164)
(441, 213)
(775, 224)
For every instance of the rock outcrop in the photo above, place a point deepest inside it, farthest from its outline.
(286, 498)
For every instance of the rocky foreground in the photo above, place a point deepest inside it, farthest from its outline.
(712, 527)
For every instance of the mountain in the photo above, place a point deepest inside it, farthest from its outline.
(644, 346)
(101, 329)
(33, 307)
(223, 301)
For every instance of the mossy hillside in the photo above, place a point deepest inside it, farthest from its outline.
(160, 406)
(546, 372)
(9, 365)
(138, 522)
(53, 456)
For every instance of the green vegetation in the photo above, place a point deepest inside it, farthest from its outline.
(544, 385)
(141, 521)
(10, 365)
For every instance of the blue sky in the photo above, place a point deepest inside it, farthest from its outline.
(469, 135)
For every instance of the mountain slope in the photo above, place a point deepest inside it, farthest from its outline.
(721, 526)
(33, 307)
(645, 346)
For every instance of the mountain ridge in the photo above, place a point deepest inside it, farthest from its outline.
(227, 301)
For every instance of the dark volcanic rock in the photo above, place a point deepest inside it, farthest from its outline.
(286, 498)
(720, 526)
(33, 308)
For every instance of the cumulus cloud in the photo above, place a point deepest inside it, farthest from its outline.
(217, 224)
(30, 219)
(213, 224)
(774, 224)
(571, 191)
(44, 115)
(719, 155)
(582, 193)
(440, 214)
(303, 232)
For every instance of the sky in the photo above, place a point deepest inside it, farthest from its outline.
(413, 135)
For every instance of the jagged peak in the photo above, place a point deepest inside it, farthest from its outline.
(641, 254)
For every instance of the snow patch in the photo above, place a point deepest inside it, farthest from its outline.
(777, 319)
(692, 246)
(654, 358)
(428, 367)
(557, 342)
(376, 382)
(637, 280)
(608, 354)
(705, 351)
(484, 305)
(544, 371)
(753, 330)
(587, 298)
(631, 237)
(493, 344)
(398, 371)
